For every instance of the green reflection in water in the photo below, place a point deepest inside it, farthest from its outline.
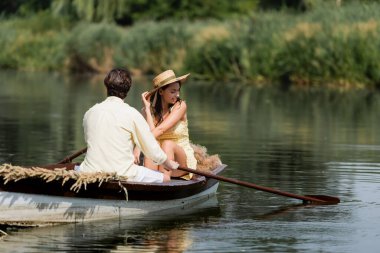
(265, 128)
(306, 142)
(268, 128)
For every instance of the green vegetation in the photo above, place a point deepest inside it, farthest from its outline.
(127, 12)
(324, 44)
(337, 46)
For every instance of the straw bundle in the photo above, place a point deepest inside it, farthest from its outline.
(205, 162)
(15, 173)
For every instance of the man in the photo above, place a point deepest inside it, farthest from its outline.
(112, 128)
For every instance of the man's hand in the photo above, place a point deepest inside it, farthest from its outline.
(171, 165)
(174, 165)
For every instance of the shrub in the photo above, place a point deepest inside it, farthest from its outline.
(153, 47)
(92, 47)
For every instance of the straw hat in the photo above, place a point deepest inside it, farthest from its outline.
(165, 78)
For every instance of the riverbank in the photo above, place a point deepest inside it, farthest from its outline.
(327, 46)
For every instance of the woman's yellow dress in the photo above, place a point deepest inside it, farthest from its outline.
(180, 135)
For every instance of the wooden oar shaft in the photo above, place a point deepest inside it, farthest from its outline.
(73, 156)
(251, 185)
(322, 199)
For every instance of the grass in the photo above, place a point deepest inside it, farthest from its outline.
(326, 46)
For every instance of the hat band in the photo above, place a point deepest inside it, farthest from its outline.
(165, 80)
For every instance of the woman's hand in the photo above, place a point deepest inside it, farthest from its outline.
(146, 99)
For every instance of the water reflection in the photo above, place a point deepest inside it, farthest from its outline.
(300, 141)
(41, 114)
(168, 232)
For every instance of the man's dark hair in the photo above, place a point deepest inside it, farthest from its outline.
(118, 82)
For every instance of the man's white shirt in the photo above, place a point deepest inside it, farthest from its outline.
(111, 129)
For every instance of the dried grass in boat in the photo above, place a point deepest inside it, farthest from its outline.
(15, 173)
(10, 172)
(205, 162)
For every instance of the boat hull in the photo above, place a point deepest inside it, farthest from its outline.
(32, 202)
(22, 209)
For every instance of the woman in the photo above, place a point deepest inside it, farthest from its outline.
(166, 115)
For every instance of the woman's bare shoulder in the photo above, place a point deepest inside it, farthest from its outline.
(180, 105)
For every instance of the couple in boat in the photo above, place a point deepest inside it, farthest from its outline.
(116, 133)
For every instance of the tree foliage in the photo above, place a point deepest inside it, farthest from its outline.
(90, 10)
(126, 12)
(23, 7)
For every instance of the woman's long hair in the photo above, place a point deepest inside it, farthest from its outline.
(157, 106)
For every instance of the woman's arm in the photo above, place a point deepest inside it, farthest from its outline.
(146, 111)
(149, 119)
(178, 113)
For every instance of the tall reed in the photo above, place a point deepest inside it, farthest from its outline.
(33, 43)
(92, 47)
(153, 47)
(327, 45)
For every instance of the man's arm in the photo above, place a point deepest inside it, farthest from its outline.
(146, 142)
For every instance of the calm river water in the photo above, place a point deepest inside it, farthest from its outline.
(304, 142)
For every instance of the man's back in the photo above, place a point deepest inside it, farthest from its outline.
(108, 130)
(112, 129)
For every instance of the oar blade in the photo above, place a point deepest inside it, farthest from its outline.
(329, 200)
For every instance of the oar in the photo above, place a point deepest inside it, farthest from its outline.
(71, 157)
(315, 199)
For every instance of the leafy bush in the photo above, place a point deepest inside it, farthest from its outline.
(31, 51)
(92, 47)
(153, 47)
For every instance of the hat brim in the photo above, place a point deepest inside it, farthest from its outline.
(180, 79)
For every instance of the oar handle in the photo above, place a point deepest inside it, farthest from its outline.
(322, 199)
(73, 156)
(251, 185)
